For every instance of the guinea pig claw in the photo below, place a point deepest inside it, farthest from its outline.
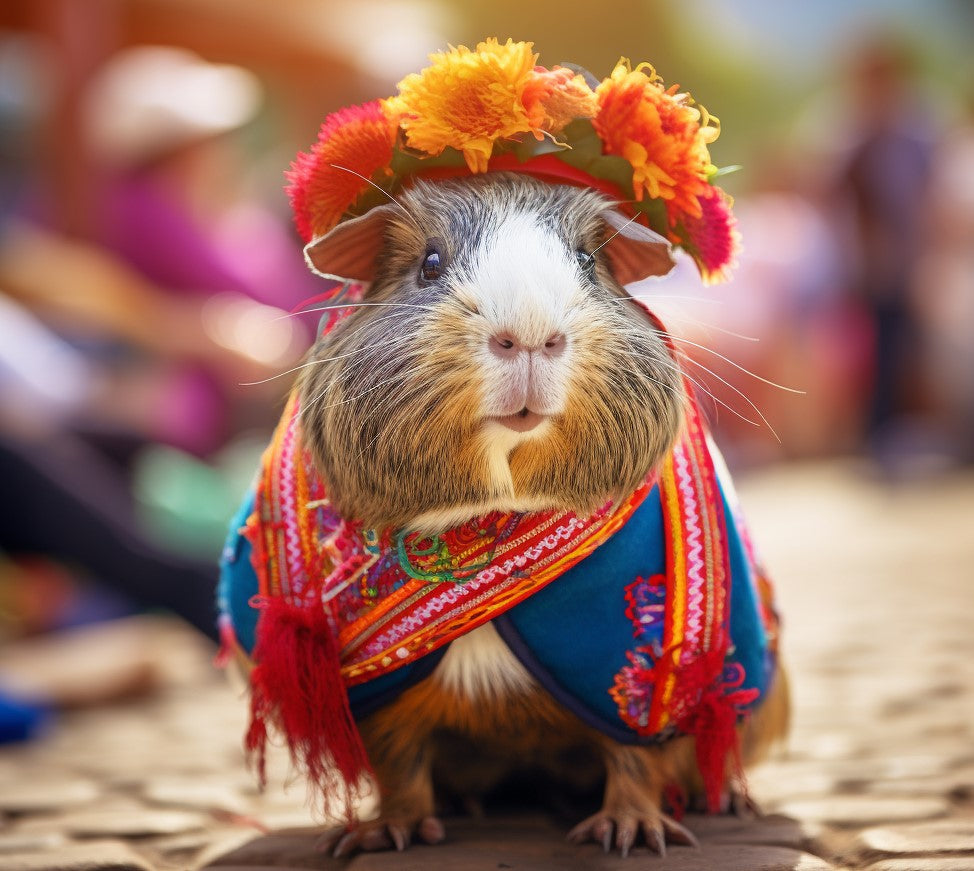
(625, 837)
(380, 835)
(677, 834)
(431, 830)
(400, 837)
(658, 830)
(655, 840)
(598, 828)
(743, 806)
(346, 844)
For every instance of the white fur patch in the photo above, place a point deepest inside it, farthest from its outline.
(479, 664)
(525, 284)
(525, 278)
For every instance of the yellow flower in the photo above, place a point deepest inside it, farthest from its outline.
(467, 99)
(660, 133)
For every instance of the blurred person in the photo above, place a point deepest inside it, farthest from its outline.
(944, 289)
(178, 285)
(136, 335)
(163, 124)
(884, 180)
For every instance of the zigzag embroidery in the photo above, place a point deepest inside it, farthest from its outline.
(292, 537)
(694, 551)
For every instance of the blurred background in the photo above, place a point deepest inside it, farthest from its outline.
(147, 255)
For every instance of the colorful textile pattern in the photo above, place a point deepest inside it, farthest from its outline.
(394, 598)
(633, 689)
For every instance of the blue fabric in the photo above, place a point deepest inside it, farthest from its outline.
(577, 628)
(572, 635)
(749, 640)
(238, 580)
(552, 632)
(21, 719)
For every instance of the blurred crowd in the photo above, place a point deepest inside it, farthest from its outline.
(148, 269)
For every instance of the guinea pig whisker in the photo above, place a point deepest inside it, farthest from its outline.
(397, 377)
(702, 388)
(737, 366)
(677, 393)
(740, 393)
(390, 407)
(679, 297)
(706, 325)
(315, 362)
(299, 367)
(616, 233)
(382, 191)
(335, 306)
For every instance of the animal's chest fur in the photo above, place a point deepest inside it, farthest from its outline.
(480, 715)
(480, 665)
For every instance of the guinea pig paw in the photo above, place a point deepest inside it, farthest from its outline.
(380, 834)
(657, 828)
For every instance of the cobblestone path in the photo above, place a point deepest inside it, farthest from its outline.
(877, 590)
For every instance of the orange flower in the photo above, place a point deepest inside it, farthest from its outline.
(712, 239)
(467, 99)
(555, 98)
(662, 136)
(358, 138)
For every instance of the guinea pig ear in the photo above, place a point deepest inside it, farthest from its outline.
(350, 249)
(635, 252)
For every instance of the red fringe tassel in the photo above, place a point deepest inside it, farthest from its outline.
(708, 709)
(297, 687)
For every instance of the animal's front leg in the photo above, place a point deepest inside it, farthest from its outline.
(632, 806)
(402, 763)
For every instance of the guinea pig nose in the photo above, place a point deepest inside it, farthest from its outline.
(554, 344)
(506, 345)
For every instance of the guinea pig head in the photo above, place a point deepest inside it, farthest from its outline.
(496, 363)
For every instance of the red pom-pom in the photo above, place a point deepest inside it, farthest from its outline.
(353, 145)
(712, 239)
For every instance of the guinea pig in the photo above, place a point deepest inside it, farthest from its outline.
(496, 367)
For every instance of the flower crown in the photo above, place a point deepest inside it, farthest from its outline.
(493, 108)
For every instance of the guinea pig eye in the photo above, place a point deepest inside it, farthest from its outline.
(432, 267)
(586, 261)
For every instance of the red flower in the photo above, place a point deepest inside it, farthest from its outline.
(358, 138)
(711, 239)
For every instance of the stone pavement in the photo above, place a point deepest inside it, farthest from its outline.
(876, 589)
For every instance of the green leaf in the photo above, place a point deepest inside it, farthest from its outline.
(725, 170)
(405, 162)
(528, 147)
(586, 144)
